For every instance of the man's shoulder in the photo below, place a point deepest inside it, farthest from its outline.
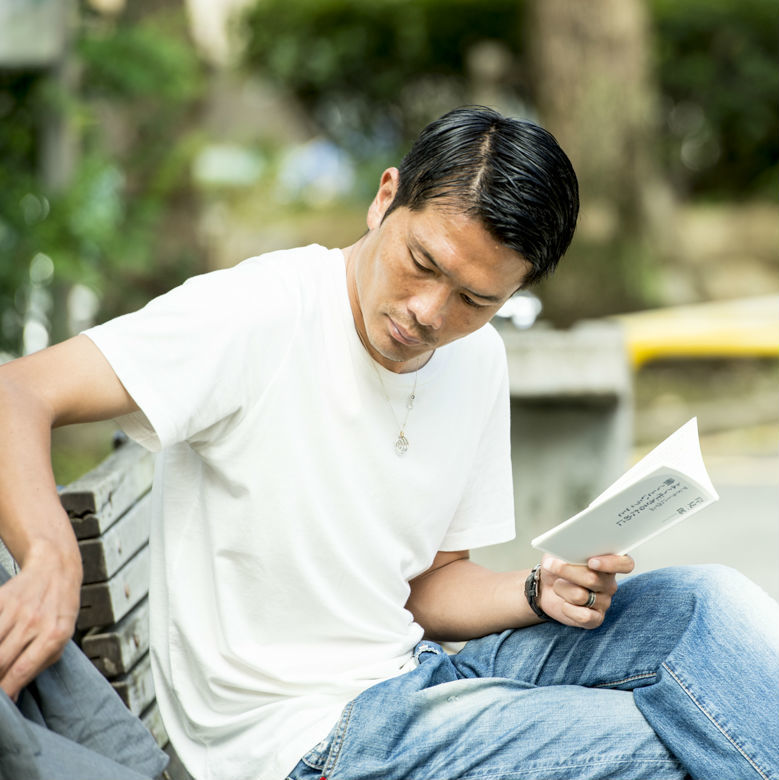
(277, 281)
(483, 344)
(300, 262)
(480, 356)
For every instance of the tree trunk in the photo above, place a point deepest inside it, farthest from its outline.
(589, 61)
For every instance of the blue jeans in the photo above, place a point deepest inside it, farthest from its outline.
(682, 679)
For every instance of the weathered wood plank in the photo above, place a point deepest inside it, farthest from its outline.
(136, 688)
(99, 498)
(103, 603)
(103, 556)
(152, 719)
(115, 650)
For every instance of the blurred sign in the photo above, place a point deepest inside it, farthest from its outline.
(33, 33)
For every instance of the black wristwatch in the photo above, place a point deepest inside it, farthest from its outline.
(531, 592)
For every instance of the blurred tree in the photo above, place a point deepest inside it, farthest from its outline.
(635, 89)
(142, 83)
(705, 70)
(593, 88)
(18, 160)
(372, 73)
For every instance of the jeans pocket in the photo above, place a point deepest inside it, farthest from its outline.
(317, 756)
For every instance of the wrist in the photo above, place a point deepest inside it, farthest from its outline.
(58, 553)
(533, 593)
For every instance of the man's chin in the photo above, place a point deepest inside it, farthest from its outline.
(400, 357)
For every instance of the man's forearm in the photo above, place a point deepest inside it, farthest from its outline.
(67, 383)
(457, 599)
(462, 600)
(38, 607)
(31, 516)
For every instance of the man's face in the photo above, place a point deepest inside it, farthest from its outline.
(422, 279)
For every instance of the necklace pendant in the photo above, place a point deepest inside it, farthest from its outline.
(410, 402)
(401, 444)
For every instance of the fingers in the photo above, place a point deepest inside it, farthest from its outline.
(582, 617)
(585, 577)
(579, 594)
(582, 606)
(613, 564)
(35, 655)
(36, 622)
(14, 669)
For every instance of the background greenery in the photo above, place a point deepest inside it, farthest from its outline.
(378, 70)
(717, 59)
(367, 75)
(106, 228)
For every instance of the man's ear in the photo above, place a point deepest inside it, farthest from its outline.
(388, 187)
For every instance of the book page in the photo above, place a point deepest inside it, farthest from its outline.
(680, 451)
(663, 488)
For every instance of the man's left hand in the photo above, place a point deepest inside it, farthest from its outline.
(578, 594)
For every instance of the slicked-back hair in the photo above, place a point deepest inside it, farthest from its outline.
(510, 174)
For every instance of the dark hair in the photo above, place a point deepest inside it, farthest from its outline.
(510, 174)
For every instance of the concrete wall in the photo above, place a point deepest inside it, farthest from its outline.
(571, 427)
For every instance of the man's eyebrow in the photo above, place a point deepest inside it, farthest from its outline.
(417, 247)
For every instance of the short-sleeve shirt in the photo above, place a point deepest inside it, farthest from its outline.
(286, 528)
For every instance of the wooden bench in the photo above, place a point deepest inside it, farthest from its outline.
(110, 509)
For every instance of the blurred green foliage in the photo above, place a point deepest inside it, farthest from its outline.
(106, 225)
(382, 68)
(17, 161)
(370, 74)
(147, 59)
(716, 66)
(372, 71)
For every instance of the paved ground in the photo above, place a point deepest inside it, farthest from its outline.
(740, 530)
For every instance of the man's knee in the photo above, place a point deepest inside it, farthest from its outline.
(720, 591)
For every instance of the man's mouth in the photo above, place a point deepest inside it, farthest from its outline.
(402, 335)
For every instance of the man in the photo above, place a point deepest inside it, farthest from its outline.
(333, 428)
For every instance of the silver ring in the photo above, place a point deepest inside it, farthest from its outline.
(591, 599)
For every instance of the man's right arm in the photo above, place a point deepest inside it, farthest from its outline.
(69, 383)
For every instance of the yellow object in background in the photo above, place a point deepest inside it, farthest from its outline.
(746, 327)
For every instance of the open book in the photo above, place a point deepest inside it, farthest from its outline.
(664, 487)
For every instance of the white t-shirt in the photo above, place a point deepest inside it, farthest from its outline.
(285, 526)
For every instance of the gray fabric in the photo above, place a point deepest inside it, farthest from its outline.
(6, 559)
(69, 724)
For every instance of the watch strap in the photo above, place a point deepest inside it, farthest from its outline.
(532, 592)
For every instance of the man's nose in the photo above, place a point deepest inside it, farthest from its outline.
(428, 305)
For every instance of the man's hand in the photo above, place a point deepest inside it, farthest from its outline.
(68, 383)
(38, 610)
(565, 588)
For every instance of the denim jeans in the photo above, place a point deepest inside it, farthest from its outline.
(69, 724)
(682, 679)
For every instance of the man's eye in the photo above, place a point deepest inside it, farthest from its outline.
(419, 265)
(468, 300)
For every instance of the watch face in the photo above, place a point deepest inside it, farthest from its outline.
(531, 591)
(531, 584)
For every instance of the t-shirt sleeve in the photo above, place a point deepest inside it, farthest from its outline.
(485, 514)
(192, 357)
